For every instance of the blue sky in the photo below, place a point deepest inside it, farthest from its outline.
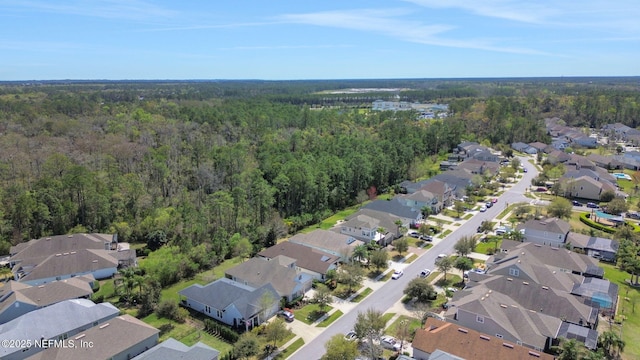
(327, 39)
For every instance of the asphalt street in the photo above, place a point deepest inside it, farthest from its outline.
(384, 298)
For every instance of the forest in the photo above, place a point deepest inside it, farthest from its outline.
(205, 164)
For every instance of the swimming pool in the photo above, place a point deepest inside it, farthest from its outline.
(604, 215)
(622, 176)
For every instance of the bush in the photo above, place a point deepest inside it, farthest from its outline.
(96, 286)
(584, 217)
(167, 309)
(97, 299)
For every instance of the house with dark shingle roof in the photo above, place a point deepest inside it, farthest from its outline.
(396, 207)
(171, 349)
(333, 242)
(524, 148)
(551, 231)
(231, 302)
(466, 343)
(366, 225)
(597, 247)
(315, 263)
(280, 272)
(120, 338)
(17, 299)
(597, 292)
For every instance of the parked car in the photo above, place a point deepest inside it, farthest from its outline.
(483, 208)
(494, 200)
(287, 315)
(488, 204)
(525, 169)
(426, 237)
(350, 336)
(414, 234)
(389, 342)
(424, 273)
(576, 203)
(592, 205)
(441, 256)
(541, 189)
(397, 274)
(633, 215)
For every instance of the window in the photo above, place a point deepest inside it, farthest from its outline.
(499, 336)
(219, 313)
(514, 272)
(480, 319)
(207, 309)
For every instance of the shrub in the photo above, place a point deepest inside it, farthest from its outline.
(167, 309)
(584, 218)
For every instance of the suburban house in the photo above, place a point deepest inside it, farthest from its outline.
(280, 272)
(119, 338)
(536, 297)
(551, 231)
(420, 199)
(524, 148)
(332, 242)
(458, 181)
(231, 302)
(442, 190)
(480, 167)
(606, 162)
(63, 320)
(495, 314)
(397, 207)
(539, 146)
(597, 247)
(558, 156)
(558, 259)
(61, 257)
(17, 299)
(580, 162)
(174, 349)
(598, 293)
(313, 262)
(586, 187)
(443, 340)
(628, 162)
(559, 144)
(372, 226)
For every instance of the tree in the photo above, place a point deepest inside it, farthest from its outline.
(351, 275)
(360, 253)
(465, 245)
(617, 206)
(339, 348)
(266, 302)
(243, 248)
(444, 264)
(568, 350)
(560, 208)
(401, 245)
(521, 210)
(607, 196)
(612, 343)
(463, 264)
(426, 211)
(459, 207)
(424, 229)
(421, 290)
(379, 258)
(275, 331)
(515, 163)
(247, 345)
(403, 332)
(322, 296)
(368, 328)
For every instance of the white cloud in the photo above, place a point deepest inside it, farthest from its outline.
(109, 9)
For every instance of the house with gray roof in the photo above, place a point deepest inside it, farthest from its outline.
(458, 180)
(119, 338)
(171, 349)
(17, 299)
(280, 272)
(524, 148)
(607, 162)
(583, 335)
(480, 167)
(539, 146)
(233, 303)
(63, 320)
(61, 257)
(597, 247)
(551, 231)
(313, 262)
(332, 242)
(599, 293)
(397, 207)
(366, 225)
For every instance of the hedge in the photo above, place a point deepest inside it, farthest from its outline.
(584, 217)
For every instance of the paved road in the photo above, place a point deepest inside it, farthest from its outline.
(385, 297)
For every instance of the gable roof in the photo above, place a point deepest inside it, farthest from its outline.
(108, 340)
(55, 320)
(469, 344)
(222, 293)
(588, 337)
(327, 240)
(552, 225)
(531, 296)
(393, 207)
(306, 258)
(258, 272)
(538, 145)
(592, 242)
(594, 288)
(43, 295)
(35, 250)
(172, 349)
(74, 262)
(372, 219)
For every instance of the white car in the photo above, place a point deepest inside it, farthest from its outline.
(389, 342)
(397, 274)
(442, 256)
(483, 208)
(424, 273)
(351, 336)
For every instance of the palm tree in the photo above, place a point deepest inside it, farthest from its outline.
(382, 231)
(426, 211)
(611, 342)
(360, 252)
(569, 350)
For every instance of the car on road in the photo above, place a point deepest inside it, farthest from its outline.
(351, 336)
(287, 315)
(592, 205)
(389, 342)
(397, 274)
(542, 189)
(483, 208)
(576, 203)
(525, 170)
(424, 273)
(442, 256)
(494, 200)
(488, 204)
(414, 234)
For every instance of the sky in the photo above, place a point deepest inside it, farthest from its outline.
(317, 39)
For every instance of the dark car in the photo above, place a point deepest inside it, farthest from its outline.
(592, 205)
(576, 203)
(525, 169)
(488, 204)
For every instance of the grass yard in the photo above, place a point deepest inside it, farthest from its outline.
(387, 316)
(413, 325)
(444, 234)
(486, 247)
(331, 221)
(310, 313)
(411, 259)
(629, 306)
(202, 278)
(467, 217)
(186, 333)
(363, 294)
(333, 317)
(291, 349)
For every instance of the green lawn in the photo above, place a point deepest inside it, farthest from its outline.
(363, 294)
(484, 247)
(413, 325)
(310, 313)
(411, 259)
(387, 316)
(202, 278)
(291, 349)
(331, 221)
(333, 317)
(444, 234)
(629, 299)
